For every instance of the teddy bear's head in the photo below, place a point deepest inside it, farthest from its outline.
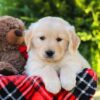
(11, 32)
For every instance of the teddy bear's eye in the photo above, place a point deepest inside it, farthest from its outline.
(42, 38)
(59, 39)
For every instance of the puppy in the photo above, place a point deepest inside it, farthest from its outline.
(52, 46)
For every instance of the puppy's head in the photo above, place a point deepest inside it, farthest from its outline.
(51, 38)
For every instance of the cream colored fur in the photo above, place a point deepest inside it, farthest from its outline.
(61, 70)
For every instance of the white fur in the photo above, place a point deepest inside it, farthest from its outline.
(57, 74)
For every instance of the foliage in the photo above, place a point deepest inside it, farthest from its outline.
(84, 14)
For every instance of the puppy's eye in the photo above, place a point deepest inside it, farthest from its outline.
(59, 39)
(42, 38)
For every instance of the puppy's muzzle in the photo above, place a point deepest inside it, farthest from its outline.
(50, 53)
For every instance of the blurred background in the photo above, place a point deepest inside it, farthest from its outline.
(83, 14)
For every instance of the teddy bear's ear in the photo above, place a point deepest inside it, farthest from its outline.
(74, 40)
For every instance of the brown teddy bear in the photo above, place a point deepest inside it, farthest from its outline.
(11, 37)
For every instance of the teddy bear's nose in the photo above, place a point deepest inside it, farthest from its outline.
(18, 33)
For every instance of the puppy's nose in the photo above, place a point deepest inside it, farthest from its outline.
(50, 53)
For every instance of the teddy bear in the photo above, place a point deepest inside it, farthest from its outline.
(11, 37)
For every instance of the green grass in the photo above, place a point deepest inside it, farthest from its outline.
(97, 94)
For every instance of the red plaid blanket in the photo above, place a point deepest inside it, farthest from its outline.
(21, 87)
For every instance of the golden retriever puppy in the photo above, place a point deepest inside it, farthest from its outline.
(52, 46)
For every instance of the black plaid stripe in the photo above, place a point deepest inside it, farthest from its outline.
(85, 89)
(39, 87)
(10, 92)
(34, 88)
(86, 86)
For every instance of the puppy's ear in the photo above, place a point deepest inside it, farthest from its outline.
(74, 40)
(28, 34)
(28, 38)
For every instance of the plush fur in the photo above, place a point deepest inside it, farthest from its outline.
(60, 67)
(11, 36)
(7, 69)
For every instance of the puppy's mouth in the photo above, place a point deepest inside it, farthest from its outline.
(50, 57)
(50, 60)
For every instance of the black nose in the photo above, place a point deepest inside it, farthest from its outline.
(50, 53)
(18, 33)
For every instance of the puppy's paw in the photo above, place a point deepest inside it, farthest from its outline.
(53, 86)
(68, 84)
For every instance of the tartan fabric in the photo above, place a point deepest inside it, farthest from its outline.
(23, 51)
(22, 87)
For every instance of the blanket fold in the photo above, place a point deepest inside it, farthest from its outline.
(22, 87)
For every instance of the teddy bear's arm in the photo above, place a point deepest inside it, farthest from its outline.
(7, 69)
(14, 58)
